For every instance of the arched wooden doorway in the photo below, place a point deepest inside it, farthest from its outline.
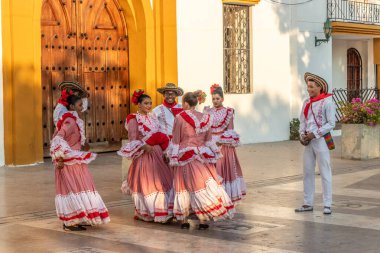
(354, 73)
(86, 41)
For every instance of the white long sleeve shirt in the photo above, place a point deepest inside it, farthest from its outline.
(165, 118)
(324, 111)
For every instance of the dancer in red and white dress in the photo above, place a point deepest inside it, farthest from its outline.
(149, 179)
(225, 136)
(77, 202)
(193, 155)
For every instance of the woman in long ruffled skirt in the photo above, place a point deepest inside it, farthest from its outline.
(77, 202)
(149, 180)
(225, 136)
(193, 155)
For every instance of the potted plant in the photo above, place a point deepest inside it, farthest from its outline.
(360, 129)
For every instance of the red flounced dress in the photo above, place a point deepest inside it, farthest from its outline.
(193, 154)
(228, 167)
(77, 201)
(149, 179)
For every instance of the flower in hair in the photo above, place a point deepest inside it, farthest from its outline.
(214, 87)
(64, 95)
(201, 97)
(136, 95)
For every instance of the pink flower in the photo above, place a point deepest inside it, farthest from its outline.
(369, 111)
(374, 101)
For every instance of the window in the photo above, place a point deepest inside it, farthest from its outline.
(236, 49)
(354, 73)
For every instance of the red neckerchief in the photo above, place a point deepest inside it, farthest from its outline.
(170, 106)
(312, 100)
(176, 111)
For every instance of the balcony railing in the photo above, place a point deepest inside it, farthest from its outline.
(353, 11)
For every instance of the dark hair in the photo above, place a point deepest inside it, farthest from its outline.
(71, 100)
(142, 97)
(191, 98)
(218, 91)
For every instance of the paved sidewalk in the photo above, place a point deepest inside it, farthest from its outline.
(265, 221)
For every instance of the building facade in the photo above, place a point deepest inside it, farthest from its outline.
(258, 50)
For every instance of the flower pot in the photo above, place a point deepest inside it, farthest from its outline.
(360, 142)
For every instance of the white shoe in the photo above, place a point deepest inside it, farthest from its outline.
(327, 210)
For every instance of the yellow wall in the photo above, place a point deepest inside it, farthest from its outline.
(245, 2)
(376, 59)
(22, 81)
(353, 28)
(152, 60)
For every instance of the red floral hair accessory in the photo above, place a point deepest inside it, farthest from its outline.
(214, 87)
(136, 95)
(64, 95)
(201, 96)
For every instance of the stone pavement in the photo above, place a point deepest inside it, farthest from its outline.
(265, 222)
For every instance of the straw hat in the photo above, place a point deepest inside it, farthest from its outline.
(318, 80)
(170, 87)
(74, 86)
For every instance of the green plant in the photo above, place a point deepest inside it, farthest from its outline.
(294, 130)
(358, 112)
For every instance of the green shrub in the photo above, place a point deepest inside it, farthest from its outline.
(294, 130)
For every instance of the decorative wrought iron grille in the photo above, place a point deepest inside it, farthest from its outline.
(342, 96)
(236, 49)
(353, 11)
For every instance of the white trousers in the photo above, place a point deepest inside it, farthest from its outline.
(317, 152)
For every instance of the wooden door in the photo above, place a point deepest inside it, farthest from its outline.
(86, 41)
(354, 73)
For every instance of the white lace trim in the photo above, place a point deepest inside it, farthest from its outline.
(88, 202)
(59, 148)
(132, 149)
(175, 153)
(235, 189)
(198, 128)
(210, 203)
(212, 145)
(166, 127)
(59, 110)
(151, 207)
(229, 137)
(150, 121)
(173, 150)
(219, 115)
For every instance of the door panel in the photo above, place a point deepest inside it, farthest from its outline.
(86, 41)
